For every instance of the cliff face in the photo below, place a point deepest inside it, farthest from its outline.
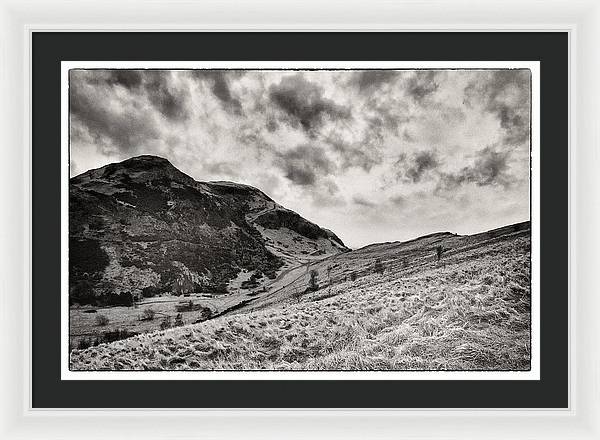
(143, 226)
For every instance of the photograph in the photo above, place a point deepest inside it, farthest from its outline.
(299, 219)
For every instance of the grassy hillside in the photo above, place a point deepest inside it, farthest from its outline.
(469, 311)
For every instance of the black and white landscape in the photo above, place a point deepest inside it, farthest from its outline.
(299, 220)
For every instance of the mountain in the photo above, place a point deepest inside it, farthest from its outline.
(141, 226)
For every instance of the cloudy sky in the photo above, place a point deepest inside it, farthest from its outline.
(373, 155)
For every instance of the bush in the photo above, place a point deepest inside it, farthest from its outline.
(178, 320)
(165, 323)
(313, 282)
(84, 343)
(116, 335)
(102, 320)
(297, 294)
(148, 315)
(353, 276)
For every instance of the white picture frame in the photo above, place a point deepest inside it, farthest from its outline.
(581, 19)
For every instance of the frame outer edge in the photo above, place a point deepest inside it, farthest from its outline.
(17, 420)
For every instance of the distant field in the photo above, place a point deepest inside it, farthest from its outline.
(470, 311)
(83, 325)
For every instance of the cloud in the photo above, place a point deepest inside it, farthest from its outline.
(368, 81)
(169, 99)
(219, 81)
(420, 163)
(106, 120)
(355, 154)
(421, 84)
(303, 104)
(304, 164)
(490, 168)
(362, 201)
(130, 79)
(506, 94)
(398, 200)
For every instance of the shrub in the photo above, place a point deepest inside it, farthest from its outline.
(165, 323)
(116, 335)
(148, 315)
(84, 343)
(313, 282)
(102, 320)
(206, 313)
(353, 276)
(297, 294)
(378, 266)
(178, 320)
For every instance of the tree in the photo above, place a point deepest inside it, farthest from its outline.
(313, 282)
(439, 250)
(178, 320)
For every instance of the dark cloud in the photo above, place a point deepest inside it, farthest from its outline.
(272, 125)
(130, 79)
(304, 164)
(490, 168)
(421, 84)
(386, 116)
(92, 113)
(168, 99)
(303, 104)
(506, 94)
(356, 154)
(368, 81)
(219, 81)
(419, 164)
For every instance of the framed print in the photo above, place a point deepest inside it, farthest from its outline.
(184, 257)
(352, 226)
(254, 277)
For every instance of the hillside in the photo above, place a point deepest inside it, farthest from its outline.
(142, 227)
(468, 311)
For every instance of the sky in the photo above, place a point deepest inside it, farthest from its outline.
(373, 155)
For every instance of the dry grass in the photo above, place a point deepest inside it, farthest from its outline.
(472, 312)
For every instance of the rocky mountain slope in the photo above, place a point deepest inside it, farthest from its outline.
(142, 227)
